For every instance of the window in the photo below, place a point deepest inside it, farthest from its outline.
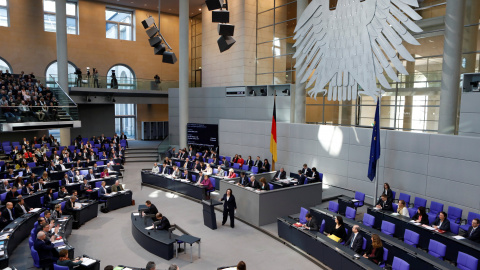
(52, 70)
(50, 20)
(196, 50)
(119, 24)
(4, 66)
(124, 76)
(4, 13)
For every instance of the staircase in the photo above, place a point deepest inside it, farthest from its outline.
(141, 155)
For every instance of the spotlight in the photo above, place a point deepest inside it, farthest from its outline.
(169, 57)
(148, 22)
(213, 4)
(221, 16)
(225, 43)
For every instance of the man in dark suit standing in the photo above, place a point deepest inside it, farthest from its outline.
(384, 204)
(306, 171)
(473, 232)
(311, 223)
(282, 174)
(162, 223)
(355, 242)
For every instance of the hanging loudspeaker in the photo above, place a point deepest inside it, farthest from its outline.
(147, 23)
(169, 57)
(220, 16)
(225, 29)
(213, 4)
(225, 42)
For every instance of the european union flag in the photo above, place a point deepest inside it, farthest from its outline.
(375, 145)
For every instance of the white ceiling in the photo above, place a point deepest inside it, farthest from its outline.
(168, 6)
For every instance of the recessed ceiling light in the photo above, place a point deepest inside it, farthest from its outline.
(199, 9)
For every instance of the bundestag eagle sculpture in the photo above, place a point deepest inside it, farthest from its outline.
(353, 45)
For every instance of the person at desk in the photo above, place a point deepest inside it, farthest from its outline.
(384, 204)
(162, 222)
(441, 222)
(266, 166)
(60, 166)
(12, 194)
(4, 185)
(48, 216)
(117, 187)
(155, 168)
(214, 161)
(402, 209)
(103, 189)
(64, 260)
(187, 165)
(249, 162)
(253, 183)
(282, 174)
(231, 173)
(48, 198)
(28, 189)
(243, 180)
(225, 162)
(40, 185)
(45, 249)
(66, 180)
(28, 170)
(90, 175)
(388, 192)
(235, 159)
(18, 183)
(70, 205)
(473, 232)
(208, 170)
(63, 192)
(263, 184)
(339, 230)
(85, 186)
(240, 161)
(164, 169)
(306, 171)
(8, 213)
(57, 213)
(355, 242)
(104, 173)
(374, 251)
(3, 221)
(421, 216)
(197, 166)
(220, 172)
(229, 207)
(10, 174)
(78, 177)
(176, 173)
(52, 167)
(45, 177)
(151, 209)
(311, 223)
(21, 208)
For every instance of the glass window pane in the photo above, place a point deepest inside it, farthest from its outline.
(112, 30)
(283, 63)
(3, 3)
(265, 34)
(118, 16)
(265, 50)
(264, 79)
(71, 9)
(49, 5)
(286, 12)
(118, 127)
(282, 77)
(125, 32)
(4, 66)
(71, 26)
(283, 30)
(265, 5)
(3, 17)
(128, 125)
(265, 18)
(264, 65)
(50, 23)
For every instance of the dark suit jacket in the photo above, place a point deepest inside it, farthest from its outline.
(6, 215)
(164, 224)
(474, 237)
(152, 210)
(231, 204)
(445, 224)
(61, 194)
(316, 176)
(70, 264)
(254, 184)
(387, 206)
(68, 208)
(389, 194)
(281, 175)
(357, 243)
(3, 222)
(307, 172)
(424, 219)
(44, 249)
(25, 192)
(312, 224)
(377, 256)
(11, 196)
(340, 232)
(244, 181)
(88, 177)
(19, 211)
(249, 163)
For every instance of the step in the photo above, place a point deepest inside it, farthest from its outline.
(140, 159)
(139, 151)
(141, 155)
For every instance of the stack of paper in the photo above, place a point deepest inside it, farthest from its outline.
(149, 228)
(355, 200)
(4, 236)
(458, 237)
(62, 247)
(136, 214)
(395, 214)
(34, 210)
(88, 261)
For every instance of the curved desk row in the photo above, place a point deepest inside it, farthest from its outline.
(186, 188)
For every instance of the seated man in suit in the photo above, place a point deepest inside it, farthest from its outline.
(162, 223)
(3, 221)
(90, 175)
(311, 223)
(253, 183)
(441, 222)
(8, 213)
(71, 174)
(155, 168)
(21, 208)
(306, 171)
(152, 209)
(243, 180)
(5, 186)
(52, 167)
(40, 185)
(315, 175)
(28, 189)
(103, 189)
(117, 187)
(384, 204)
(46, 250)
(355, 242)
(302, 178)
(70, 206)
(473, 232)
(63, 192)
(12, 194)
(282, 174)
(60, 166)
(66, 180)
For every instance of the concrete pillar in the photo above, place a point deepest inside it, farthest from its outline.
(183, 72)
(62, 55)
(470, 36)
(452, 57)
(65, 136)
(300, 95)
(408, 110)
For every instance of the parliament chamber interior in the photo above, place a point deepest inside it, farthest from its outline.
(216, 134)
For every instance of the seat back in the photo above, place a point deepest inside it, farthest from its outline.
(254, 170)
(455, 214)
(419, 202)
(30, 242)
(437, 249)
(471, 216)
(229, 159)
(388, 228)
(394, 194)
(431, 218)
(303, 212)
(454, 227)
(62, 204)
(245, 167)
(360, 197)
(100, 163)
(194, 178)
(32, 234)
(83, 172)
(385, 257)
(42, 200)
(55, 195)
(436, 208)
(31, 164)
(332, 206)
(404, 197)
(395, 207)
(271, 186)
(411, 212)
(364, 245)
(35, 257)
(322, 226)
(236, 165)
(399, 264)
(3, 196)
(411, 238)
(466, 262)
(368, 220)
(213, 182)
(350, 213)
(98, 184)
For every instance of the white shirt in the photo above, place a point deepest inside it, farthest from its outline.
(353, 239)
(404, 212)
(155, 169)
(23, 208)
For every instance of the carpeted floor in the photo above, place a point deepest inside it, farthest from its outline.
(108, 237)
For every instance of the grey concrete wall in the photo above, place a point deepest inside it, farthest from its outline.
(469, 124)
(209, 104)
(441, 168)
(96, 119)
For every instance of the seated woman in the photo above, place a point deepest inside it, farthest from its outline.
(231, 174)
(263, 184)
(421, 216)
(207, 184)
(402, 209)
(374, 251)
(63, 260)
(339, 230)
(19, 182)
(266, 166)
(57, 213)
(104, 173)
(48, 196)
(208, 170)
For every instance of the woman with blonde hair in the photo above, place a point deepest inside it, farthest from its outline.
(374, 251)
(402, 209)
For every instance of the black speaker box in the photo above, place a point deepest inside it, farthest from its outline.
(159, 49)
(155, 41)
(226, 29)
(169, 57)
(152, 31)
(148, 22)
(213, 4)
(220, 16)
(225, 42)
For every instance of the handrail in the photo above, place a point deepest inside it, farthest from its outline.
(59, 86)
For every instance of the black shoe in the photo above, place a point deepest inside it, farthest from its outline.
(223, 223)
(232, 227)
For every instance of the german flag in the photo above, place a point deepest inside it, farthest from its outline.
(273, 136)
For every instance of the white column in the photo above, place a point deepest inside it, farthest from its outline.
(183, 72)
(300, 95)
(62, 55)
(452, 57)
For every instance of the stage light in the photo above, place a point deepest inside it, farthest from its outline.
(263, 92)
(159, 49)
(225, 29)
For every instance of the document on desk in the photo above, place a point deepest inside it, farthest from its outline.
(428, 227)
(62, 247)
(395, 214)
(88, 261)
(458, 237)
(354, 200)
(62, 220)
(149, 228)
(4, 236)
(136, 214)
(34, 210)
(2, 253)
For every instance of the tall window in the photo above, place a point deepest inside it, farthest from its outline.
(196, 54)
(52, 70)
(125, 114)
(4, 13)
(119, 24)
(50, 20)
(124, 76)
(4, 66)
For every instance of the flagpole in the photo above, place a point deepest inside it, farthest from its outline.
(378, 164)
